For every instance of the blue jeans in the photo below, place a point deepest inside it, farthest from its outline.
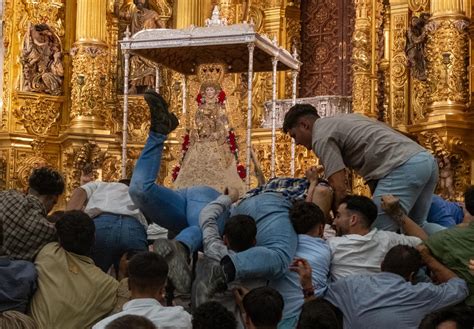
(114, 235)
(178, 210)
(413, 183)
(175, 210)
(276, 238)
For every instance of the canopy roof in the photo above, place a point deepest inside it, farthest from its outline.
(183, 50)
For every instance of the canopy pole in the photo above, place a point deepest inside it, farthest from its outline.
(251, 47)
(274, 87)
(126, 55)
(294, 76)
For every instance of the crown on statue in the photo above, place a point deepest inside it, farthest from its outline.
(211, 72)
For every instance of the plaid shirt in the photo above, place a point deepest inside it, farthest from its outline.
(25, 227)
(291, 188)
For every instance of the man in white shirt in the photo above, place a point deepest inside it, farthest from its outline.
(120, 225)
(358, 248)
(147, 280)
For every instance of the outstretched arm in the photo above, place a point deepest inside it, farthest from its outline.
(391, 205)
(213, 245)
(441, 272)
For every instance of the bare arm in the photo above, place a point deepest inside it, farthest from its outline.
(78, 200)
(391, 205)
(338, 183)
(441, 272)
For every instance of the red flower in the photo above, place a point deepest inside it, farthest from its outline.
(199, 99)
(221, 97)
(241, 170)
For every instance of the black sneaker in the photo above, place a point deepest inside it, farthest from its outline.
(162, 121)
(217, 281)
(176, 256)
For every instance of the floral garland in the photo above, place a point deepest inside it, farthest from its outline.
(231, 140)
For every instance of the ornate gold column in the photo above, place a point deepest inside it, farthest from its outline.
(362, 59)
(190, 12)
(399, 87)
(447, 54)
(89, 61)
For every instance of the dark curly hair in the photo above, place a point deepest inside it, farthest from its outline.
(46, 181)
(298, 111)
(213, 315)
(305, 216)
(76, 232)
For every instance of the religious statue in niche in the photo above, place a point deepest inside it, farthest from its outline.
(41, 59)
(210, 151)
(139, 17)
(415, 46)
(446, 178)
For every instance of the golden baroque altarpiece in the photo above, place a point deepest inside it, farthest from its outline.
(409, 61)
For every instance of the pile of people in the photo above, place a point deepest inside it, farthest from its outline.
(291, 253)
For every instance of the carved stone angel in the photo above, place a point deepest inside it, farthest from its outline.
(41, 58)
(415, 46)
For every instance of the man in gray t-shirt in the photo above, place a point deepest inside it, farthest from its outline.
(387, 160)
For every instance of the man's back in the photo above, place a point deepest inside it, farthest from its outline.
(454, 247)
(317, 253)
(163, 317)
(387, 300)
(357, 254)
(72, 291)
(26, 229)
(369, 147)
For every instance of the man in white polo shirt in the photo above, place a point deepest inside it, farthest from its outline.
(357, 248)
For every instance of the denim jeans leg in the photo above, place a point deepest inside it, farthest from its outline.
(133, 235)
(276, 238)
(411, 182)
(164, 206)
(197, 197)
(421, 208)
(107, 238)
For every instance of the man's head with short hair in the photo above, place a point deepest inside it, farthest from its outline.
(131, 322)
(355, 213)
(319, 314)
(307, 218)
(76, 232)
(147, 273)
(402, 260)
(213, 315)
(453, 317)
(46, 184)
(469, 199)
(298, 123)
(263, 307)
(240, 233)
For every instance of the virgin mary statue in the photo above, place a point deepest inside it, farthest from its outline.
(210, 148)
